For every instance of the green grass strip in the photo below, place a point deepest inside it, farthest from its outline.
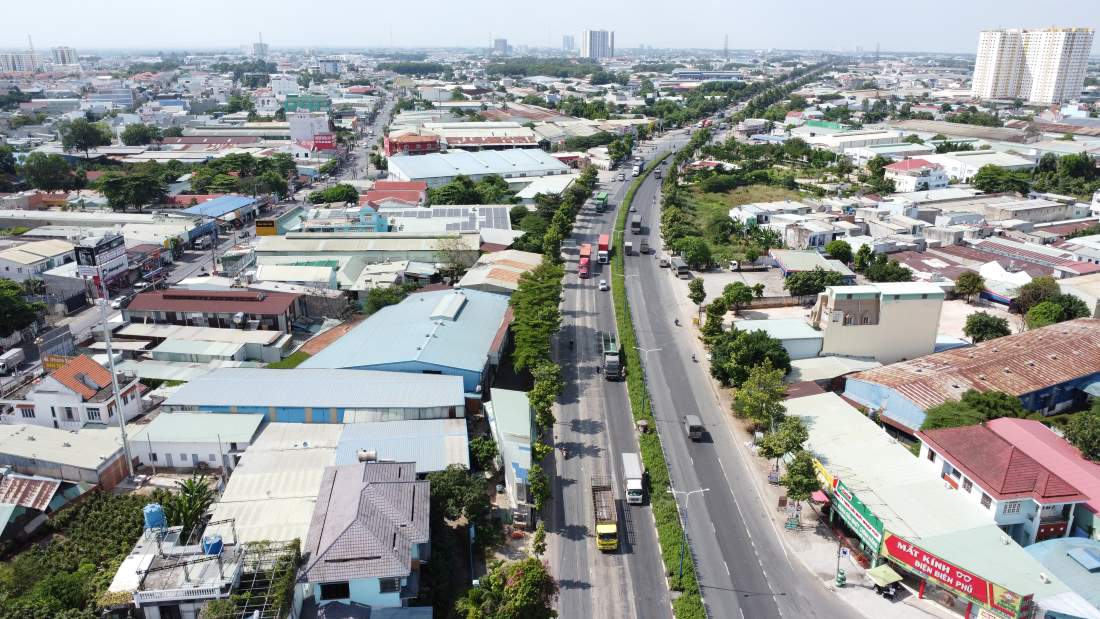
(291, 361)
(689, 605)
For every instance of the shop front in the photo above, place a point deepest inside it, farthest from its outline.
(953, 587)
(857, 518)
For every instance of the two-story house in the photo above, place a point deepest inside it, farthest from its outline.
(886, 322)
(1021, 495)
(916, 175)
(72, 396)
(368, 536)
(226, 309)
(31, 260)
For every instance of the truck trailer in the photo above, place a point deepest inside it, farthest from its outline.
(613, 368)
(607, 517)
(633, 479)
(603, 255)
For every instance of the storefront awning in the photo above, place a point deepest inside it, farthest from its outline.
(1092, 389)
(819, 497)
(883, 575)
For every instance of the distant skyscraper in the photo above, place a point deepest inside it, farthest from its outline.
(568, 43)
(1044, 65)
(64, 55)
(259, 48)
(20, 61)
(500, 46)
(598, 44)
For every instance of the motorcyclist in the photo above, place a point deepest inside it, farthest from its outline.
(676, 321)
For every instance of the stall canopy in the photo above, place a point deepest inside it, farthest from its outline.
(819, 497)
(883, 576)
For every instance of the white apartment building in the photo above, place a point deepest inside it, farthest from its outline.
(916, 175)
(24, 62)
(304, 125)
(598, 44)
(64, 55)
(1044, 65)
(887, 322)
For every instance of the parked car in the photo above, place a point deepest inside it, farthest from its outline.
(622, 177)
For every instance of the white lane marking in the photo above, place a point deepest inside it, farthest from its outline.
(727, 569)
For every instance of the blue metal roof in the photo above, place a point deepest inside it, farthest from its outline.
(219, 207)
(421, 329)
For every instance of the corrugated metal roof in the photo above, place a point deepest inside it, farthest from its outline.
(88, 448)
(432, 444)
(525, 161)
(407, 332)
(199, 428)
(219, 207)
(33, 492)
(319, 388)
(1015, 364)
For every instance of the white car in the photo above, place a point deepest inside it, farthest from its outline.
(603, 284)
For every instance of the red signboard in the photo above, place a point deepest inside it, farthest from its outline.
(324, 141)
(936, 568)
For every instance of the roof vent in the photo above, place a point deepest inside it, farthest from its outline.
(1008, 370)
(66, 444)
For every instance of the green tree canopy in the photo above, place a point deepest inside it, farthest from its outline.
(974, 407)
(695, 252)
(1043, 314)
(15, 312)
(49, 172)
(760, 398)
(983, 326)
(134, 190)
(969, 283)
(801, 479)
(697, 292)
(138, 134)
(839, 250)
(883, 270)
(1083, 432)
(81, 135)
(737, 294)
(995, 179)
(1035, 292)
(522, 589)
(805, 283)
(341, 192)
(459, 493)
(735, 352)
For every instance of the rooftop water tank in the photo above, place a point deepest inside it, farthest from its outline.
(154, 516)
(212, 545)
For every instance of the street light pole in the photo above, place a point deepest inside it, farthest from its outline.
(683, 526)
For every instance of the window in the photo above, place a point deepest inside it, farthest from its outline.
(335, 591)
(69, 413)
(212, 458)
(153, 456)
(956, 473)
(968, 485)
(183, 458)
(1012, 508)
(389, 585)
(28, 413)
(93, 414)
(931, 455)
(986, 500)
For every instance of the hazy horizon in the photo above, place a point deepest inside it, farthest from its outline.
(699, 24)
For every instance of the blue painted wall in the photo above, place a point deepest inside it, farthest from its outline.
(365, 591)
(470, 379)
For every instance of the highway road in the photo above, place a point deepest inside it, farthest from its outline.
(595, 426)
(743, 567)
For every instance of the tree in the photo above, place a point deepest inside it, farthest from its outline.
(81, 135)
(969, 283)
(185, 506)
(737, 294)
(839, 250)
(538, 482)
(377, 298)
(788, 437)
(48, 172)
(483, 450)
(1083, 432)
(1035, 292)
(716, 313)
(863, 258)
(536, 316)
(522, 589)
(1072, 306)
(697, 293)
(695, 252)
(219, 609)
(760, 398)
(173, 132)
(538, 541)
(459, 493)
(271, 182)
(15, 312)
(982, 327)
(544, 392)
(995, 179)
(340, 192)
(801, 479)
(974, 407)
(735, 352)
(805, 283)
(138, 134)
(133, 190)
(1043, 314)
(454, 255)
(883, 270)
(461, 190)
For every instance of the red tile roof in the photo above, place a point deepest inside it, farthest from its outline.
(80, 370)
(1016, 364)
(415, 139)
(1063, 459)
(912, 164)
(998, 466)
(213, 301)
(375, 196)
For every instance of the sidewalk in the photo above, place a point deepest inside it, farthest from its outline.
(813, 543)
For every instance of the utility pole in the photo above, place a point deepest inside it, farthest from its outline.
(683, 525)
(103, 301)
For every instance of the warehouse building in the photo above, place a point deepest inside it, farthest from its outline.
(188, 441)
(438, 169)
(1049, 369)
(91, 455)
(300, 395)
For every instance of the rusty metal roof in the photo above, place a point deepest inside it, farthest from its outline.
(1015, 364)
(32, 492)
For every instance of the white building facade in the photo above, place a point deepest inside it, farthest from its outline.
(598, 44)
(1044, 65)
(887, 322)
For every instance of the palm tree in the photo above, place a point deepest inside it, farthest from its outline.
(185, 507)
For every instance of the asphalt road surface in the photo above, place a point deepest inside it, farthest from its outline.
(744, 569)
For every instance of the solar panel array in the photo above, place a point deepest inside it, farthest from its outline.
(492, 217)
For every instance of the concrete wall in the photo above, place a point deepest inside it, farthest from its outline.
(222, 455)
(906, 329)
(365, 591)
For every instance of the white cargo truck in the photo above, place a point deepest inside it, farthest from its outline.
(633, 479)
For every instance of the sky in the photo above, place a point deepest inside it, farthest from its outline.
(835, 25)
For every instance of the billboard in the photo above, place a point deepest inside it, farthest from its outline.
(857, 516)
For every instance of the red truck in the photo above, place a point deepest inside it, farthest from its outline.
(604, 254)
(585, 260)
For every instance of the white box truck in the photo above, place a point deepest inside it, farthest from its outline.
(633, 474)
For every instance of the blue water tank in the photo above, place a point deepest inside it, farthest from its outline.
(154, 516)
(212, 545)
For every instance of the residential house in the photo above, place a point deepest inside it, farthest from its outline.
(91, 456)
(72, 396)
(238, 309)
(410, 144)
(886, 322)
(368, 537)
(512, 423)
(791, 261)
(1028, 501)
(31, 260)
(916, 175)
(189, 441)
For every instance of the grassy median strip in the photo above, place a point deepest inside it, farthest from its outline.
(689, 605)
